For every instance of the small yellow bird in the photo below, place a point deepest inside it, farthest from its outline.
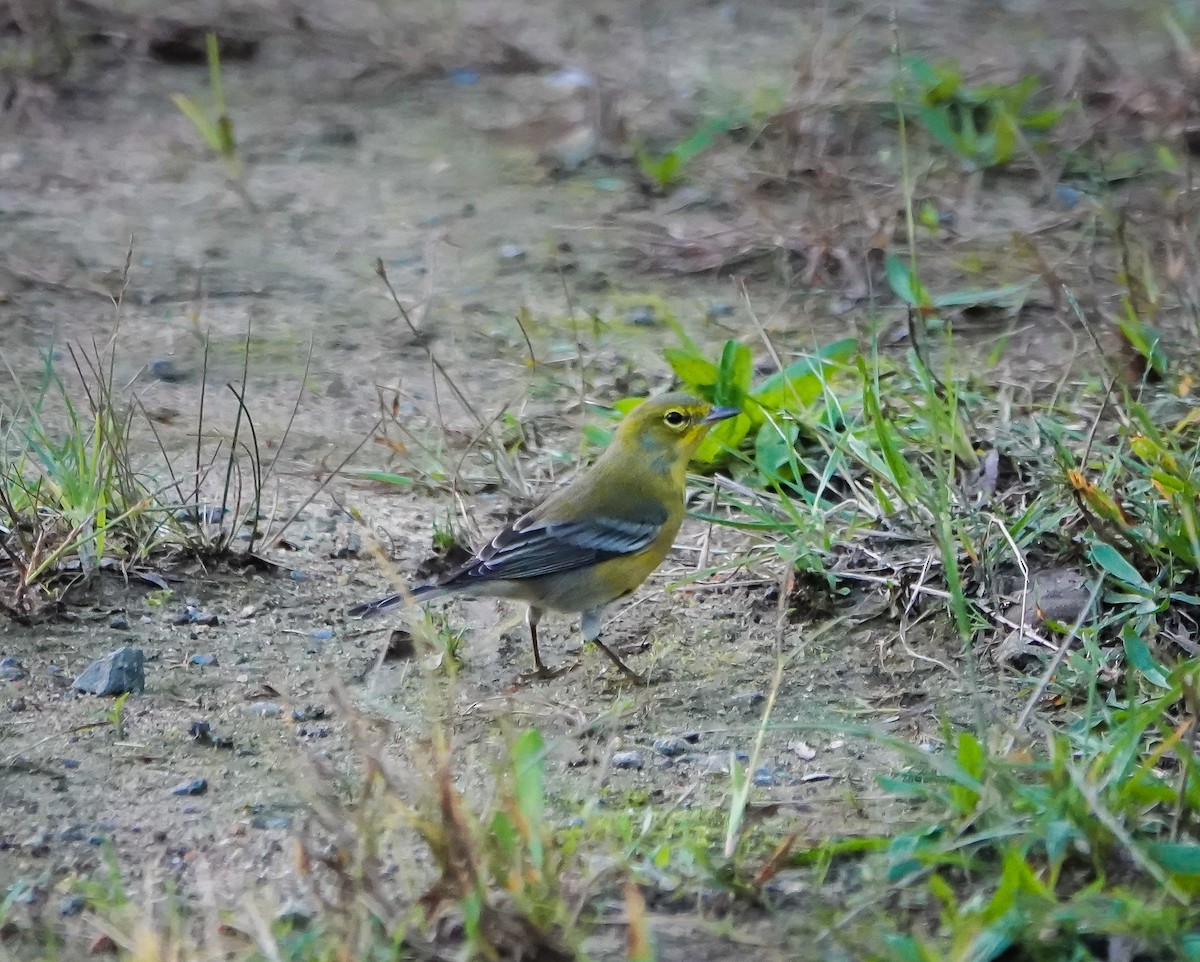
(600, 537)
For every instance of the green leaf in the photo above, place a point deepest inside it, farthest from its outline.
(775, 448)
(1178, 858)
(1138, 654)
(1005, 138)
(1007, 297)
(734, 374)
(727, 436)
(529, 769)
(1109, 560)
(382, 477)
(886, 436)
(971, 755)
(504, 835)
(904, 284)
(529, 766)
(205, 127)
(803, 381)
(693, 369)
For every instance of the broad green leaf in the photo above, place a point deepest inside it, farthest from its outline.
(1109, 560)
(803, 381)
(725, 437)
(775, 448)
(971, 755)
(691, 368)
(904, 284)
(1138, 654)
(1178, 858)
(1007, 297)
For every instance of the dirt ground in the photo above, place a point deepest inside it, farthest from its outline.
(449, 157)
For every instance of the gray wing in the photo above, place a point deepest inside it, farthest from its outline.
(532, 548)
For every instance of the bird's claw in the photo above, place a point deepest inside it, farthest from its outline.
(623, 668)
(542, 673)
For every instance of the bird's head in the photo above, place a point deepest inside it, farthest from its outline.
(669, 428)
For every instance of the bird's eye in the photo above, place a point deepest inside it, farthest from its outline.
(675, 418)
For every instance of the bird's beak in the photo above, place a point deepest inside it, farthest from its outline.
(720, 414)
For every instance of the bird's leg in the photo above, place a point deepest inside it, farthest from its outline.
(534, 616)
(591, 632)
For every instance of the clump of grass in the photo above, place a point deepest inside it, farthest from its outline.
(986, 125)
(87, 486)
(73, 499)
(496, 885)
(1079, 842)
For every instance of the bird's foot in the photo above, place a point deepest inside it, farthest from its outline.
(542, 673)
(625, 670)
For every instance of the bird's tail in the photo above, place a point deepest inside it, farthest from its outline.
(369, 608)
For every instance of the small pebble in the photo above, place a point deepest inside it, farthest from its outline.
(309, 713)
(194, 786)
(164, 369)
(803, 750)
(71, 763)
(201, 732)
(191, 615)
(351, 548)
(763, 777)
(628, 760)
(119, 623)
(72, 905)
(12, 670)
(512, 252)
(670, 746)
(464, 77)
(270, 822)
(297, 576)
(642, 317)
(264, 709)
(314, 731)
(1066, 198)
(321, 634)
(206, 513)
(203, 661)
(719, 309)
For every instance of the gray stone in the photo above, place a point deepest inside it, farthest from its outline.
(628, 760)
(193, 786)
(671, 746)
(116, 673)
